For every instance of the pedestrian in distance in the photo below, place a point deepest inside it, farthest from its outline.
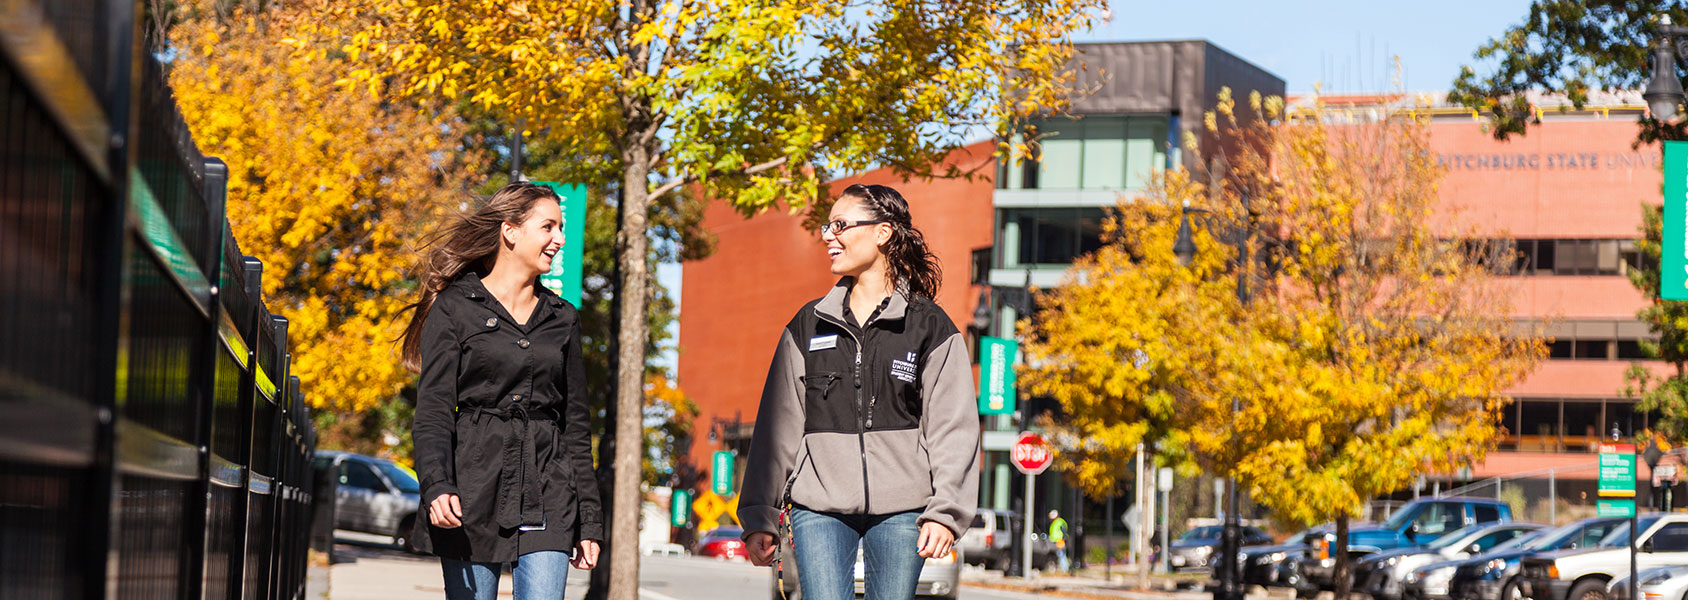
(1058, 536)
(502, 447)
(868, 430)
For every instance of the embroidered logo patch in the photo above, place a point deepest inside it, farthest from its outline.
(904, 370)
(823, 342)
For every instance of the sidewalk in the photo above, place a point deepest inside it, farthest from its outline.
(1091, 585)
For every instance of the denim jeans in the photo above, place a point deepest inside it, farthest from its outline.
(825, 544)
(538, 576)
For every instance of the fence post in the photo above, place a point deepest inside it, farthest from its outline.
(1552, 499)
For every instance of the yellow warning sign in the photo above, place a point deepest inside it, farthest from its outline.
(708, 507)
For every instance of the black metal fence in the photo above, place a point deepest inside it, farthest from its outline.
(153, 443)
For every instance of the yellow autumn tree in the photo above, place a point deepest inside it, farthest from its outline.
(757, 102)
(1377, 346)
(330, 188)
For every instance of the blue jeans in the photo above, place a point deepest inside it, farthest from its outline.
(538, 576)
(825, 544)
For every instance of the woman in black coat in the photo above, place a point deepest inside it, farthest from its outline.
(502, 446)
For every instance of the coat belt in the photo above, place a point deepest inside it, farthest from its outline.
(520, 490)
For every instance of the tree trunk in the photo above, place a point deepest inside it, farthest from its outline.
(632, 249)
(1340, 579)
(600, 587)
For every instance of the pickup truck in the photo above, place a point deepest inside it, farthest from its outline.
(1414, 524)
(1582, 574)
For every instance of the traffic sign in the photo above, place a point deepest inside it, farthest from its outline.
(1030, 454)
(1614, 507)
(1673, 250)
(709, 507)
(680, 508)
(1617, 470)
(996, 375)
(566, 268)
(721, 477)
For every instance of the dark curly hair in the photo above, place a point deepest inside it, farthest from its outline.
(913, 266)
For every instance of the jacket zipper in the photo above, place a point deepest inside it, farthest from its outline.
(861, 436)
(863, 423)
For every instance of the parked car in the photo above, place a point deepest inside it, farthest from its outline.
(1383, 574)
(1413, 524)
(989, 541)
(725, 543)
(1582, 574)
(1494, 575)
(1263, 564)
(1198, 548)
(939, 576)
(375, 495)
(1435, 581)
(1660, 583)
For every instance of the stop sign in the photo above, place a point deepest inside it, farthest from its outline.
(1031, 454)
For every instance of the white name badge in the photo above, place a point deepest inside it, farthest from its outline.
(823, 342)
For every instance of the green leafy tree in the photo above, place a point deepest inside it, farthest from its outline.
(1569, 47)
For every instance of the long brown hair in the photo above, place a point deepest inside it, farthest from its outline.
(912, 263)
(469, 242)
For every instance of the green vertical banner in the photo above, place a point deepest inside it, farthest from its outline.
(721, 476)
(996, 375)
(565, 275)
(1673, 253)
(680, 505)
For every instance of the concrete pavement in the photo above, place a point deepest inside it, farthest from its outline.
(370, 569)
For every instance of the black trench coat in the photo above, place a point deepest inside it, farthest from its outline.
(501, 421)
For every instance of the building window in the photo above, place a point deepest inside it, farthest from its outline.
(1575, 257)
(981, 266)
(1091, 153)
(1567, 425)
(1582, 425)
(1048, 236)
(1538, 425)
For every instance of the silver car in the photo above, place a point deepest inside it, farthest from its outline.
(374, 496)
(939, 577)
(1657, 583)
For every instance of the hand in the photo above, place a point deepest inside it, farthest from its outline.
(445, 512)
(585, 555)
(761, 546)
(935, 540)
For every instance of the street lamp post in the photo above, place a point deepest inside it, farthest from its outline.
(1230, 584)
(1664, 89)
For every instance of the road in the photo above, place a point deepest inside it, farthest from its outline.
(368, 569)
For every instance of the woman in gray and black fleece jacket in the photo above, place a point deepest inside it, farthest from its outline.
(869, 426)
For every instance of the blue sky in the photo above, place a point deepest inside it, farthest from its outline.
(1347, 45)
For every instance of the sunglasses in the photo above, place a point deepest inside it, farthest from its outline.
(838, 226)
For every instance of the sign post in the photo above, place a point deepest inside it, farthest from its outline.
(1617, 490)
(1031, 455)
(565, 276)
(1673, 251)
(996, 375)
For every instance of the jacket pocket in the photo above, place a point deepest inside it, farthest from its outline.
(818, 413)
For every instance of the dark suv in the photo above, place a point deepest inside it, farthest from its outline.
(1414, 524)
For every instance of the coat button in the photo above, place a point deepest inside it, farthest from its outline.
(491, 322)
(523, 343)
(517, 397)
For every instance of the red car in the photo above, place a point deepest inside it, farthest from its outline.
(722, 543)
